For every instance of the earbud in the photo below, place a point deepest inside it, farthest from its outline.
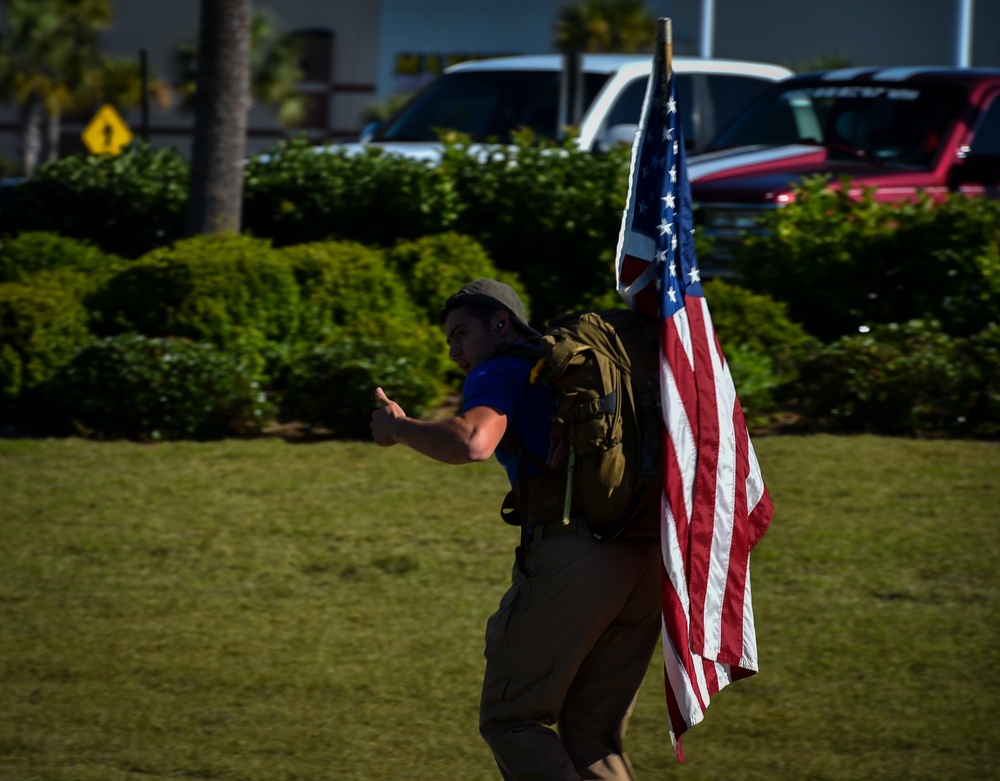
(499, 327)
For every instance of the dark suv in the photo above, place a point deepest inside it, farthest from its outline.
(898, 130)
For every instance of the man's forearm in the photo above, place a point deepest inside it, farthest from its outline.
(452, 441)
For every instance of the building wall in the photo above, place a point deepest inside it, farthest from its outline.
(347, 87)
(346, 81)
(797, 33)
(377, 47)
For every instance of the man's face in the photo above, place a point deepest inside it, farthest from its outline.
(470, 341)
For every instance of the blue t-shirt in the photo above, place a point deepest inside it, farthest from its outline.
(503, 383)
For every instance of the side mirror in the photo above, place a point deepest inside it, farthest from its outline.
(617, 134)
(367, 132)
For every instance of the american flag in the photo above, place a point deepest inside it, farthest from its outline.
(715, 504)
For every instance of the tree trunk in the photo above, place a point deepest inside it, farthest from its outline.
(31, 134)
(53, 129)
(222, 101)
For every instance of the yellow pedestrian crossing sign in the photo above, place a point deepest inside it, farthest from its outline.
(107, 132)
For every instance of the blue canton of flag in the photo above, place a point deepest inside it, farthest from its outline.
(657, 240)
(677, 266)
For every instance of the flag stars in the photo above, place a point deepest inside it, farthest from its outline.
(669, 200)
(673, 175)
(671, 106)
(695, 275)
(666, 228)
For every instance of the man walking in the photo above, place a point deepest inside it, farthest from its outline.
(572, 638)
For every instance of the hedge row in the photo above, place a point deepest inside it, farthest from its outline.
(536, 210)
(550, 215)
(221, 333)
(352, 254)
(842, 264)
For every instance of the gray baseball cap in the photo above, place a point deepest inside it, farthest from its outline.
(491, 293)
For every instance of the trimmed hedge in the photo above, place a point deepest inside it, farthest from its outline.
(135, 387)
(333, 386)
(24, 257)
(354, 301)
(763, 347)
(905, 379)
(346, 285)
(299, 194)
(128, 204)
(550, 214)
(435, 267)
(841, 263)
(41, 328)
(233, 291)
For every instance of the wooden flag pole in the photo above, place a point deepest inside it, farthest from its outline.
(665, 44)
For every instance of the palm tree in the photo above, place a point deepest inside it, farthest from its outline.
(49, 57)
(274, 70)
(624, 26)
(221, 106)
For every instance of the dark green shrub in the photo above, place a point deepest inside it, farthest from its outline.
(352, 298)
(761, 324)
(349, 290)
(756, 382)
(41, 328)
(346, 285)
(234, 291)
(763, 347)
(128, 204)
(550, 214)
(897, 379)
(131, 386)
(977, 397)
(24, 256)
(841, 263)
(297, 194)
(334, 386)
(435, 267)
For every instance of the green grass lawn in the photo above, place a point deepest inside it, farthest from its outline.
(264, 610)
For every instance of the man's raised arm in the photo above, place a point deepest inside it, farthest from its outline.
(471, 436)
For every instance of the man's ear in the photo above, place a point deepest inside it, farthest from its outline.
(501, 323)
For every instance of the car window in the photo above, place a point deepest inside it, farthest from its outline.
(730, 93)
(486, 105)
(628, 107)
(901, 125)
(986, 141)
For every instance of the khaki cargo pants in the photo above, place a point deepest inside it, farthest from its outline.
(568, 647)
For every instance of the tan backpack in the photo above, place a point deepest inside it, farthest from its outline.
(606, 434)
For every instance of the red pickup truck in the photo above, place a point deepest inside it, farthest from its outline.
(897, 130)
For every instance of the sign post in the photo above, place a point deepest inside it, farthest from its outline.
(107, 132)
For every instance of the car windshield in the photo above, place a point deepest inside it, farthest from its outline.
(899, 125)
(486, 105)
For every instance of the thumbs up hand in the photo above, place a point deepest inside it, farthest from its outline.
(384, 419)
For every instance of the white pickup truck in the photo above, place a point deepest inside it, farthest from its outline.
(488, 99)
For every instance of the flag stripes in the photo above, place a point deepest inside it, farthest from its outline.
(715, 505)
